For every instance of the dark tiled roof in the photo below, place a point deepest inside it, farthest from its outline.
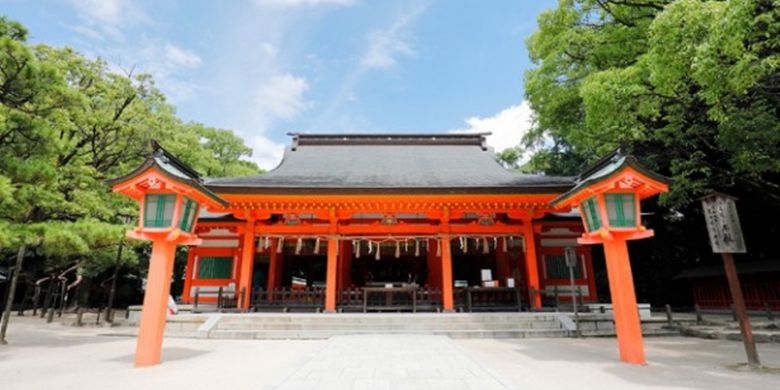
(385, 163)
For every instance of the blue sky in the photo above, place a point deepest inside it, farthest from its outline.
(268, 67)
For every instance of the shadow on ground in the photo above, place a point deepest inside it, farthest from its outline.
(171, 354)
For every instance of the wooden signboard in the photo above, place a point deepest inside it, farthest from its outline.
(720, 212)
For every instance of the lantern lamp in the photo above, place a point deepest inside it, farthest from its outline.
(169, 194)
(608, 195)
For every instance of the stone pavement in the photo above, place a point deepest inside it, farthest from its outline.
(392, 362)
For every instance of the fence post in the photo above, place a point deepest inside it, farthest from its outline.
(79, 315)
(63, 296)
(733, 312)
(195, 300)
(47, 299)
(769, 315)
(25, 297)
(669, 315)
(699, 317)
(99, 312)
(219, 298)
(50, 310)
(36, 298)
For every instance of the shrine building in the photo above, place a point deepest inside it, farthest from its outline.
(372, 222)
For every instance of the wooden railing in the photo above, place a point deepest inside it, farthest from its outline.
(488, 299)
(285, 299)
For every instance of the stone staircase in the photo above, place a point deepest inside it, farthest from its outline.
(323, 326)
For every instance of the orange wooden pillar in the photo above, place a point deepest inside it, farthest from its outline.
(331, 275)
(274, 267)
(446, 274)
(531, 265)
(244, 290)
(626, 313)
(189, 274)
(158, 287)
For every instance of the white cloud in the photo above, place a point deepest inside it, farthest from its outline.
(303, 3)
(108, 16)
(269, 49)
(385, 46)
(103, 11)
(281, 97)
(507, 127)
(181, 57)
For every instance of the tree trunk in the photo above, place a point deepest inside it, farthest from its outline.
(112, 291)
(11, 293)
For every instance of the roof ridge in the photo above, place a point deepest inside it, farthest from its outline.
(388, 139)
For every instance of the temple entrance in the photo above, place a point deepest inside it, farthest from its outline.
(305, 270)
(368, 272)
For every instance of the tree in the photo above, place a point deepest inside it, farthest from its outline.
(510, 158)
(67, 124)
(691, 87)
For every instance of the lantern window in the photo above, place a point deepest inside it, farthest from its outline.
(592, 218)
(158, 211)
(621, 209)
(189, 210)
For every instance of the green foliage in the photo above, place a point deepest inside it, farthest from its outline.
(67, 124)
(510, 157)
(690, 86)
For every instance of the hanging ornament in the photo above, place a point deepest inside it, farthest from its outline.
(317, 246)
(378, 252)
(397, 249)
(463, 244)
(280, 246)
(298, 246)
(495, 243)
(476, 243)
(357, 248)
(485, 247)
(267, 242)
(438, 248)
(416, 248)
(406, 246)
(370, 248)
(503, 244)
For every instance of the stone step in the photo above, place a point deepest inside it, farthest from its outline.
(324, 334)
(368, 318)
(379, 326)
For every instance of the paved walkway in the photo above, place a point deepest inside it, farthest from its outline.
(46, 356)
(392, 362)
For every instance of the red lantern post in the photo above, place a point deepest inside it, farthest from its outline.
(608, 196)
(170, 195)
